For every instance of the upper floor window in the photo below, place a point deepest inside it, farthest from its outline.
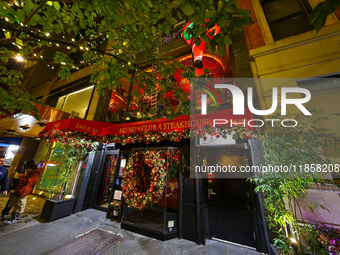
(287, 18)
(76, 103)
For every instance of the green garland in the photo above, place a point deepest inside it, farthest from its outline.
(87, 140)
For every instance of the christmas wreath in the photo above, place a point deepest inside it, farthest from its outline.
(144, 179)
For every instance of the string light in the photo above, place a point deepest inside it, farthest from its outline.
(47, 34)
(19, 58)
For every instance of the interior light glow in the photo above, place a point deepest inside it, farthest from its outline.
(81, 90)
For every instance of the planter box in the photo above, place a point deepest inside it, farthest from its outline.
(53, 210)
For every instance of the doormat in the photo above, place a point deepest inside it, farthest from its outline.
(94, 242)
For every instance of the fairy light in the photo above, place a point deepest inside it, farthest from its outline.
(47, 34)
(68, 47)
(57, 45)
(72, 39)
(293, 240)
(19, 58)
(81, 47)
(6, 19)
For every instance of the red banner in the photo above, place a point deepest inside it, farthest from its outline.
(87, 126)
(165, 125)
(179, 124)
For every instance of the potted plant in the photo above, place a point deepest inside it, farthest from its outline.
(61, 201)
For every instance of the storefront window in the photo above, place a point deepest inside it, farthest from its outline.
(76, 103)
(57, 179)
(9, 146)
(159, 218)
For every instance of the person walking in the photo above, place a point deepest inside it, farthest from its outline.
(3, 177)
(7, 209)
(26, 182)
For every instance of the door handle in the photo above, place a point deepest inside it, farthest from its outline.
(210, 192)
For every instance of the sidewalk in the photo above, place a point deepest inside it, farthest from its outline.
(32, 237)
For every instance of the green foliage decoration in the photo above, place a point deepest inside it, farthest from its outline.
(298, 146)
(116, 38)
(321, 11)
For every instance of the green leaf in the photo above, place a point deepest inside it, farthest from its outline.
(179, 15)
(187, 9)
(198, 42)
(221, 48)
(227, 40)
(206, 70)
(212, 47)
(154, 30)
(172, 20)
(210, 14)
(175, 4)
(149, 3)
(205, 38)
(165, 27)
(319, 15)
(21, 15)
(56, 5)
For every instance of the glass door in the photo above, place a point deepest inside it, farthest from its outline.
(107, 179)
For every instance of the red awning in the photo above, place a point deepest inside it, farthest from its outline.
(162, 125)
(87, 126)
(178, 124)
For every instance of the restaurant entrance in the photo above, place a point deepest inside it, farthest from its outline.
(230, 197)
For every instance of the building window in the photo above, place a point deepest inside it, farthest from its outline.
(76, 103)
(286, 18)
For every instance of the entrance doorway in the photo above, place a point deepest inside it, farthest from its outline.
(231, 201)
(107, 180)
